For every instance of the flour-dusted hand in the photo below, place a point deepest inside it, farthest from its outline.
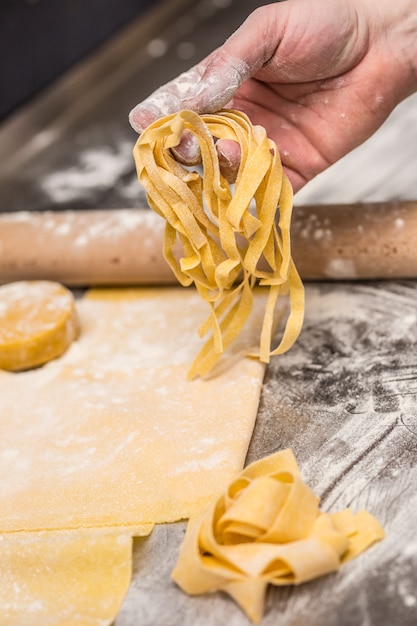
(321, 77)
(205, 88)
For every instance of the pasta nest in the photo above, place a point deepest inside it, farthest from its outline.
(267, 528)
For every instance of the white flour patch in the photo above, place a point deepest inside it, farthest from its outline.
(96, 169)
(340, 268)
(79, 230)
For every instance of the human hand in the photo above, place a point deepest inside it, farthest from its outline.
(321, 77)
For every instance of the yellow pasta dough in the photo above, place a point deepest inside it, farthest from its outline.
(64, 578)
(38, 322)
(84, 440)
(228, 236)
(83, 451)
(267, 528)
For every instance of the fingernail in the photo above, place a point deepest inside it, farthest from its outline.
(228, 153)
(188, 150)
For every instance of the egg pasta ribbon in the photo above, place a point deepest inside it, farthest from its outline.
(228, 234)
(267, 528)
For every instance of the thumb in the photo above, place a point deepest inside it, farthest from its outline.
(205, 88)
(247, 51)
(210, 85)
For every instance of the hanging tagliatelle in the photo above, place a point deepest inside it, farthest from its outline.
(229, 235)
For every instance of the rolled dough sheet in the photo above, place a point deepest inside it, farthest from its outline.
(63, 578)
(112, 433)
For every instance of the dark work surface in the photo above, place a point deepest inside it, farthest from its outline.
(89, 164)
(40, 39)
(345, 400)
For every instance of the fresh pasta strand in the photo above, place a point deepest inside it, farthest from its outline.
(228, 234)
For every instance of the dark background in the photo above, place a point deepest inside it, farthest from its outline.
(39, 39)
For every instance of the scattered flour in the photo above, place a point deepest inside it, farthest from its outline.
(98, 168)
(340, 268)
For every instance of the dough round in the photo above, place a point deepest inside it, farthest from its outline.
(38, 322)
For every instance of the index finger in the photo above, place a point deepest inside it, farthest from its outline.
(205, 88)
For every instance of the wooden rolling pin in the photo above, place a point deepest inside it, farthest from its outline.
(124, 246)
